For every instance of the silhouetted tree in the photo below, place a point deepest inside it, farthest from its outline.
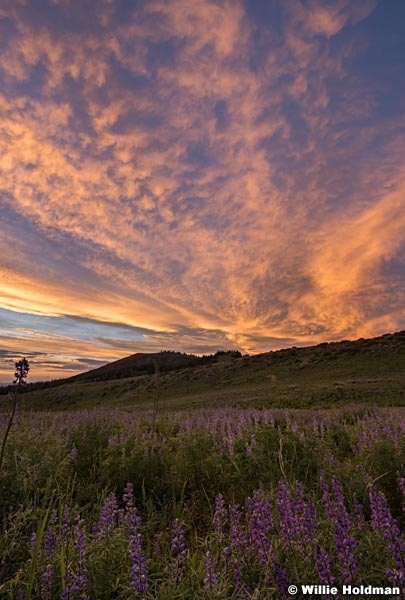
(21, 372)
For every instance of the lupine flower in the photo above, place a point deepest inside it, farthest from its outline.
(74, 453)
(239, 539)
(66, 523)
(358, 514)
(210, 577)
(157, 543)
(401, 484)
(128, 496)
(138, 576)
(305, 524)
(324, 565)
(237, 571)
(297, 517)
(261, 523)
(228, 445)
(47, 581)
(177, 551)
(31, 543)
(345, 543)
(50, 535)
(77, 578)
(285, 512)
(108, 513)
(129, 513)
(220, 514)
(382, 520)
(226, 554)
(239, 543)
(81, 579)
(282, 581)
(249, 446)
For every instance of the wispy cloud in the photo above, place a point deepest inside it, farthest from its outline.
(214, 176)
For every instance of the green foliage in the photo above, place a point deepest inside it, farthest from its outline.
(177, 471)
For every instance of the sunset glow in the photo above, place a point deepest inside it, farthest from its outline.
(197, 175)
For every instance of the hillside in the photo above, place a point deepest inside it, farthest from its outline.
(146, 364)
(133, 366)
(366, 370)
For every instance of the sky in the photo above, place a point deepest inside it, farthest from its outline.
(198, 175)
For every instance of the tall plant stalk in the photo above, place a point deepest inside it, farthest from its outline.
(21, 372)
(156, 396)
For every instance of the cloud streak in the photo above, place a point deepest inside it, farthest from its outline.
(202, 171)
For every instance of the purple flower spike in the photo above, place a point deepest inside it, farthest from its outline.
(324, 565)
(50, 534)
(210, 578)
(345, 543)
(139, 576)
(383, 521)
(401, 484)
(66, 523)
(108, 514)
(220, 515)
(77, 577)
(261, 523)
(237, 570)
(47, 581)
(297, 517)
(358, 514)
(239, 543)
(31, 543)
(178, 551)
(128, 496)
(239, 539)
(129, 513)
(282, 581)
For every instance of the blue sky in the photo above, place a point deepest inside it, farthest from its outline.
(198, 176)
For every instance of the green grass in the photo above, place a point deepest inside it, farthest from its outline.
(255, 382)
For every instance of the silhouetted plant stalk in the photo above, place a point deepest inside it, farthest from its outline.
(21, 372)
(156, 396)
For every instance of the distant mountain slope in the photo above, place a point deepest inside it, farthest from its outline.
(147, 364)
(136, 365)
(139, 364)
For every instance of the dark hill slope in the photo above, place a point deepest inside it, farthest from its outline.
(140, 364)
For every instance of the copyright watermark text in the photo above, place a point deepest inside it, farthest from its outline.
(349, 590)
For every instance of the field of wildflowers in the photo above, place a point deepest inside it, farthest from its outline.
(214, 503)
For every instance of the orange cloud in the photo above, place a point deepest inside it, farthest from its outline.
(346, 265)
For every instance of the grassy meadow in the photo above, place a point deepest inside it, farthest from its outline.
(216, 495)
